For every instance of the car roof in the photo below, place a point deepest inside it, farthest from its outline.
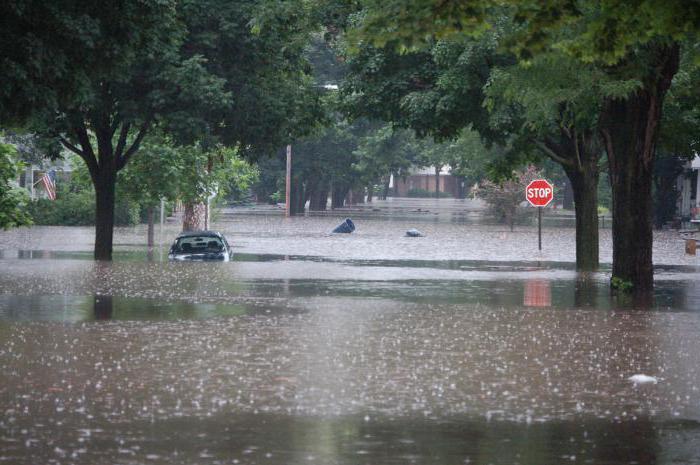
(199, 234)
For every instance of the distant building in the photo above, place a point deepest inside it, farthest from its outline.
(35, 164)
(424, 179)
(30, 177)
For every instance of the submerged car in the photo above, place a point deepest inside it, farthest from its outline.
(200, 245)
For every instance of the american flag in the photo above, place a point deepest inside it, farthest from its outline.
(49, 181)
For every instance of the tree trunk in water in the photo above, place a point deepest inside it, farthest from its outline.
(318, 198)
(151, 212)
(585, 187)
(370, 193)
(297, 201)
(193, 218)
(385, 192)
(104, 212)
(578, 153)
(337, 197)
(323, 199)
(629, 129)
(460, 183)
(437, 182)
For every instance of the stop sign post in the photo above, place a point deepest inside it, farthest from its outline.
(539, 193)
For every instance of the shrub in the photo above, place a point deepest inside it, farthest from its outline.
(78, 209)
(503, 198)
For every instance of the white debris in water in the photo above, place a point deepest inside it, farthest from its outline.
(643, 379)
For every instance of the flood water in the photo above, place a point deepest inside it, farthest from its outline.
(465, 346)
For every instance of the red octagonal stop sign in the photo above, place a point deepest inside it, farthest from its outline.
(539, 193)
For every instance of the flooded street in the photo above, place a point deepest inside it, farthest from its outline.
(467, 346)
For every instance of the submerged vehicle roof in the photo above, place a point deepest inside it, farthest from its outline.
(199, 234)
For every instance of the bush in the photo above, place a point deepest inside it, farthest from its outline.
(422, 193)
(69, 209)
(503, 198)
(78, 209)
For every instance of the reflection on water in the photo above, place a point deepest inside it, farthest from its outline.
(107, 307)
(538, 293)
(275, 439)
(353, 380)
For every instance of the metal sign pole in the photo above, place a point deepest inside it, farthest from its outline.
(288, 192)
(539, 227)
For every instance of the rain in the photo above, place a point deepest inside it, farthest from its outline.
(346, 349)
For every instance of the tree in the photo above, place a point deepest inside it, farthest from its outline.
(151, 177)
(98, 77)
(13, 199)
(472, 83)
(639, 42)
(384, 151)
(552, 103)
(470, 159)
(678, 139)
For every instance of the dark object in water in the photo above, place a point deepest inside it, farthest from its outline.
(414, 233)
(346, 227)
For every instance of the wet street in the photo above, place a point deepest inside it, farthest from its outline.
(467, 346)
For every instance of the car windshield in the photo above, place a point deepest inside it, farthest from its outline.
(198, 244)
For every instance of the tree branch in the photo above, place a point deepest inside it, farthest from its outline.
(87, 153)
(88, 157)
(577, 150)
(124, 159)
(67, 144)
(81, 132)
(121, 143)
(552, 154)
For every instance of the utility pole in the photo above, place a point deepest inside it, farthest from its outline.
(288, 192)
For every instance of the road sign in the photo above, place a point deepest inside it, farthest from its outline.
(539, 193)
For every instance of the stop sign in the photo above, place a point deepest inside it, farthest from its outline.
(539, 193)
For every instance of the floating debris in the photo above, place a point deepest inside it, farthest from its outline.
(643, 379)
(346, 227)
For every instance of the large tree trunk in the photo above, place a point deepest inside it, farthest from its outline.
(629, 129)
(104, 212)
(578, 154)
(370, 193)
(585, 189)
(193, 217)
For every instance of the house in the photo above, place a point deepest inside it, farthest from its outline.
(424, 179)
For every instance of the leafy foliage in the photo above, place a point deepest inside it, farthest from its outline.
(606, 31)
(13, 200)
